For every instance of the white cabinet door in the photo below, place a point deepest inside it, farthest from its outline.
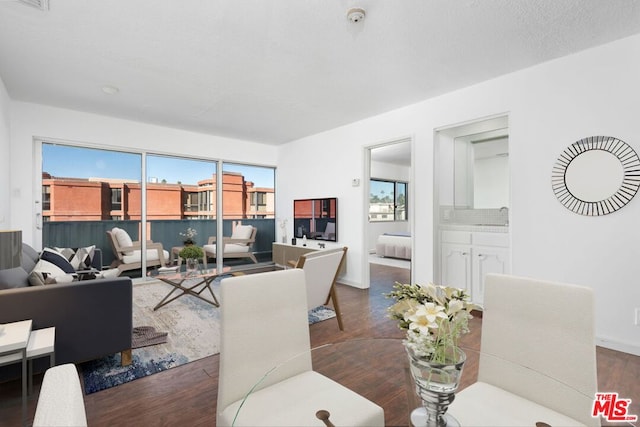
(486, 259)
(455, 265)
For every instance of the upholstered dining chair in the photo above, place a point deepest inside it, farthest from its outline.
(264, 325)
(537, 356)
(321, 269)
(239, 245)
(128, 254)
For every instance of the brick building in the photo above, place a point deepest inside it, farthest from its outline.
(95, 199)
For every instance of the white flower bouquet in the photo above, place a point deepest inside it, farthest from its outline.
(434, 316)
(189, 236)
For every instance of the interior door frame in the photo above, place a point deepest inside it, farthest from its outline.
(366, 279)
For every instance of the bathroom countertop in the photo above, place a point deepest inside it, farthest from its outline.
(473, 227)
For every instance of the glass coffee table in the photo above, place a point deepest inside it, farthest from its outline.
(189, 283)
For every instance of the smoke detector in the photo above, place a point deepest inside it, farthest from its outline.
(355, 14)
(38, 4)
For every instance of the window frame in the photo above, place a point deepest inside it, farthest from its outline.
(395, 211)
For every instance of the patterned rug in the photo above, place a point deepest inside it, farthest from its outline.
(144, 336)
(193, 328)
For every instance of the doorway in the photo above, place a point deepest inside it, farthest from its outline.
(471, 203)
(389, 215)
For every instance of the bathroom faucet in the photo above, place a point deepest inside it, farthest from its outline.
(505, 210)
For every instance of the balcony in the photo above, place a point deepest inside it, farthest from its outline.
(73, 234)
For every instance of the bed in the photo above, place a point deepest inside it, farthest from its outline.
(394, 245)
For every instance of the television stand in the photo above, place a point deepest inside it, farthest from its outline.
(282, 253)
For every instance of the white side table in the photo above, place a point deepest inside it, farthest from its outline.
(41, 343)
(14, 339)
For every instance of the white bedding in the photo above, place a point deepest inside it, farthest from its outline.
(394, 246)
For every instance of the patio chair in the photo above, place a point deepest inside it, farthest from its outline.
(264, 324)
(321, 269)
(329, 232)
(239, 245)
(128, 254)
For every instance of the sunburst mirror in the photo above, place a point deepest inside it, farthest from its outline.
(596, 175)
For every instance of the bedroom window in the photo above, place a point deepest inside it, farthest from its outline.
(387, 200)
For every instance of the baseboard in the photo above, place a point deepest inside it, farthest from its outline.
(618, 346)
(351, 283)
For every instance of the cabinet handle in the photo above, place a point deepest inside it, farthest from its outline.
(465, 253)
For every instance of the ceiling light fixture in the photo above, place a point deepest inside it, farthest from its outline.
(355, 14)
(110, 90)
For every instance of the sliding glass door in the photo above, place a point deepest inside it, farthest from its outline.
(155, 198)
(85, 192)
(248, 200)
(181, 201)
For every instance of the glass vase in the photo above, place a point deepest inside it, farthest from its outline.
(436, 384)
(192, 266)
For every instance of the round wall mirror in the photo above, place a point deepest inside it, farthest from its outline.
(596, 175)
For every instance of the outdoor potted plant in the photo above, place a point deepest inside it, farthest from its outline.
(192, 255)
(189, 236)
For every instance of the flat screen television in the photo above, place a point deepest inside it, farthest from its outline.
(316, 218)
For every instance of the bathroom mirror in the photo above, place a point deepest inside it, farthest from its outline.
(481, 170)
(596, 175)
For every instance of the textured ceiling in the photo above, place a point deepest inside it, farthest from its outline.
(274, 71)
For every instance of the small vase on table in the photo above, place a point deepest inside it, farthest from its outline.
(436, 384)
(192, 266)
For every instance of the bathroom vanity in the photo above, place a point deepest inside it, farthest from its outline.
(469, 253)
(471, 221)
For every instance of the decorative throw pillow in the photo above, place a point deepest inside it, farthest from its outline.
(44, 270)
(13, 278)
(54, 257)
(123, 238)
(29, 258)
(80, 258)
(242, 232)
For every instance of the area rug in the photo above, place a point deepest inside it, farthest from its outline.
(144, 336)
(320, 314)
(193, 328)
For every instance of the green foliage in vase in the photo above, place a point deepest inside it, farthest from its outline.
(192, 251)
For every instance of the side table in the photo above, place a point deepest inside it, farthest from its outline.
(14, 339)
(41, 344)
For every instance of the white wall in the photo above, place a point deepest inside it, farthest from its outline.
(550, 106)
(33, 120)
(5, 160)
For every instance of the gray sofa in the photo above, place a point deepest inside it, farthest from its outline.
(93, 318)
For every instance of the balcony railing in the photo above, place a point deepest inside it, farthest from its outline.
(74, 234)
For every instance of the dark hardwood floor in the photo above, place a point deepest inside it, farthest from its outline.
(186, 396)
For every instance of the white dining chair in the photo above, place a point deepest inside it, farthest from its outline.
(265, 353)
(537, 356)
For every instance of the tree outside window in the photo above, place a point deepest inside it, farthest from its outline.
(388, 200)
